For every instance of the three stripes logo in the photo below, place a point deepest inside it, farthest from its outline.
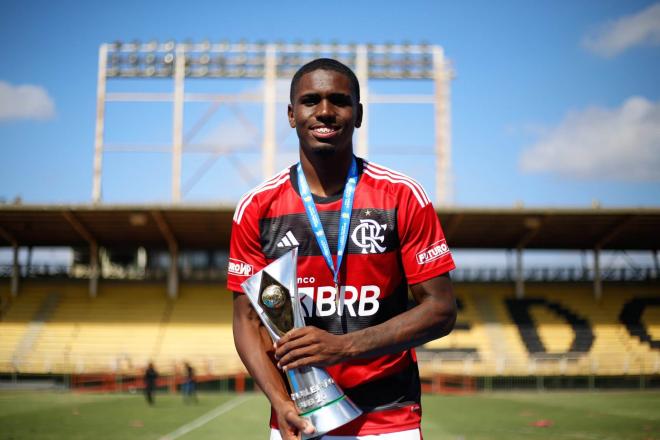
(288, 241)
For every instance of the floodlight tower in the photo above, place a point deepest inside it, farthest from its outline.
(270, 62)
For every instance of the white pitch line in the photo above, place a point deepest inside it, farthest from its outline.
(204, 419)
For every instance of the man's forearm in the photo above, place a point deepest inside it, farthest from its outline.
(253, 349)
(432, 318)
(427, 321)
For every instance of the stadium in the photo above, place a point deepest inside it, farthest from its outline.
(533, 346)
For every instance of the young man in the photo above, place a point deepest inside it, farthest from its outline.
(353, 285)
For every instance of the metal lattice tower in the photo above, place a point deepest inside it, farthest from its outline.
(270, 62)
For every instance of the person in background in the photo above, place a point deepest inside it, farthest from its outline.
(188, 388)
(150, 376)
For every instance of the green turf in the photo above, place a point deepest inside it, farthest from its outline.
(588, 416)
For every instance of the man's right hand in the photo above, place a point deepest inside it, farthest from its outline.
(290, 423)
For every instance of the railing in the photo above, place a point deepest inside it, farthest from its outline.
(554, 274)
(430, 363)
(546, 364)
(491, 275)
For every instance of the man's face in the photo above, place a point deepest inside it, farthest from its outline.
(324, 112)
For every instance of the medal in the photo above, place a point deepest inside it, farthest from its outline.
(344, 221)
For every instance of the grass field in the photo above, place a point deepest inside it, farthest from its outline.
(495, 416)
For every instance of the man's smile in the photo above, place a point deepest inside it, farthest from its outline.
(324, 131)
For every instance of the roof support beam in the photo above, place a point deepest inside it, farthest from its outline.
(520, 279)
(93, 251)
(598, 282)
(533, 226)
(610, 235)
(615, 230)
(8, 237)
(173, 246)
(15, 271)
(15, 267)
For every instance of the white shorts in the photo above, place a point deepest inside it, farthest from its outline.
(411, 434)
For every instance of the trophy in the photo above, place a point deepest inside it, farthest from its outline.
(273, 293)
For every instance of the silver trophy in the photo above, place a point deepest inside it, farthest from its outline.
(273, 293)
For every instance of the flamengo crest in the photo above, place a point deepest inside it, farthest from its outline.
(369, 236)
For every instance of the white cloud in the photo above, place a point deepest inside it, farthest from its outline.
(614, 37)
(25, 101)
(601, 144)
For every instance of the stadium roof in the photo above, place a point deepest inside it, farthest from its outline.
(208, 226)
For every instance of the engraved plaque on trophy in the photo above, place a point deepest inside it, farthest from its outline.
(273, 292)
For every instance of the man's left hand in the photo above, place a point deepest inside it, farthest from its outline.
(310, 346)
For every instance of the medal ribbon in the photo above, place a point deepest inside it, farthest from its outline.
(344, 217)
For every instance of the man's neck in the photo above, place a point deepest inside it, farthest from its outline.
(326, 175)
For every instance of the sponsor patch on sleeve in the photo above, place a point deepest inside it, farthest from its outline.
(433, 252)
(239, 268)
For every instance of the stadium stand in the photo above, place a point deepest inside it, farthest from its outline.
(57, 328)
(199, 331)
(556, 329)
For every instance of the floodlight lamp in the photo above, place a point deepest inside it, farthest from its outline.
(151, 46)
(150, 58)
(204, 59)
(219, 60)
(169, 46)
(133, 59)
(168, 58)
(201, 71)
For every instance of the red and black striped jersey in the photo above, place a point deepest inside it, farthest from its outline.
(395, 239)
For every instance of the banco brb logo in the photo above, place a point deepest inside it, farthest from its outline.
(369, 236)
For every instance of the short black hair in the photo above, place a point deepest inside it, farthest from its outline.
(326, 64)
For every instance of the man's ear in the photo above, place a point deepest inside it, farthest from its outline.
(292, 119)
(358, 118)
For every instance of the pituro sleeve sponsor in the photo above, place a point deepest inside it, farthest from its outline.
(435, 251)
(245, 256)
(424, 250)
(239, 268)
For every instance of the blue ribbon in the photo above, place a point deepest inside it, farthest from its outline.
(344, 218)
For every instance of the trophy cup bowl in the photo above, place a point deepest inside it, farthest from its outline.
(273, 292)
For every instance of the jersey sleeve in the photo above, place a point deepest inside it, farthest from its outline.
(245, 255)
(424, 250)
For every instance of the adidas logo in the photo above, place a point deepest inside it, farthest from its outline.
(287, 241)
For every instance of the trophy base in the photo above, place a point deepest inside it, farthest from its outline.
(331, 416)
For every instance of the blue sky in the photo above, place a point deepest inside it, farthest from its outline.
(553, 104)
